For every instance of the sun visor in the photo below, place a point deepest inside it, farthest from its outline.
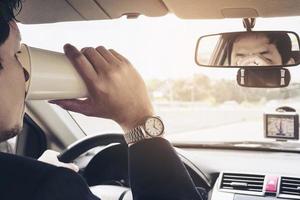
(238, 12)
(88, 10)
(218, 9)
(150, 8)
(50, 11)
(47, 11)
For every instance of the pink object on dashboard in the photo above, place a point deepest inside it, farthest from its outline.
(271, 184)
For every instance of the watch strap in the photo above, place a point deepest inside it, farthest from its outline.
(135, 135)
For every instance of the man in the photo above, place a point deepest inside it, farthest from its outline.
(260, 49)
(116, 92)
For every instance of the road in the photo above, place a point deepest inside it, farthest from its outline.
(180, 119)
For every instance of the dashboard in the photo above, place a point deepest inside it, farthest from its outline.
(246, 175)
(218, 173)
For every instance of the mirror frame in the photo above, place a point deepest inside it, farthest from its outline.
(249, 67)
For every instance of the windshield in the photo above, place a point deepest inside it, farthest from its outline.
(196, 104)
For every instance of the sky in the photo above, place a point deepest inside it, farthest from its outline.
(161, 48)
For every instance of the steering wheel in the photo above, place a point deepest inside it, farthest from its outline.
(87, 143)
(90, 142)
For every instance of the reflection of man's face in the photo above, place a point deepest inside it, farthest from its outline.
(254, 49)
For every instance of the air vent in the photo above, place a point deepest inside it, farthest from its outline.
(242, 182)
(290, 186)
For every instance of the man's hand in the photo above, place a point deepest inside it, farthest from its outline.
(50, 157)
(116, 90)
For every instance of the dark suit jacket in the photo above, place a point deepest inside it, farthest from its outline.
(156, 172)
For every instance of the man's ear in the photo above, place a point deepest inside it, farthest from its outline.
(291, 61)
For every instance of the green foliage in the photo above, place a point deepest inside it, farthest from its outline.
(202, 89)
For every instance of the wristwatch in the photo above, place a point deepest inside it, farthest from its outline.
(151, 127)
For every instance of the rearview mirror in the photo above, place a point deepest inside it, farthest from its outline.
(249, 49)
(264, 77)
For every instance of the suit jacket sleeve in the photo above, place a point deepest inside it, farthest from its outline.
(24, 178)
(156, 172)
(64, 184)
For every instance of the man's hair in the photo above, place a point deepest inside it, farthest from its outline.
(281, 40)
(8, 11)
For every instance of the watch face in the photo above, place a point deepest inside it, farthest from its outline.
(154, 127)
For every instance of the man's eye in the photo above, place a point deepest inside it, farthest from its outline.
(264, 52)
(268, 59)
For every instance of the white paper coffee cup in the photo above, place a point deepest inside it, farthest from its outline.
(52, 76)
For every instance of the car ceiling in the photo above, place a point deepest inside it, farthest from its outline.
(49, 11)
